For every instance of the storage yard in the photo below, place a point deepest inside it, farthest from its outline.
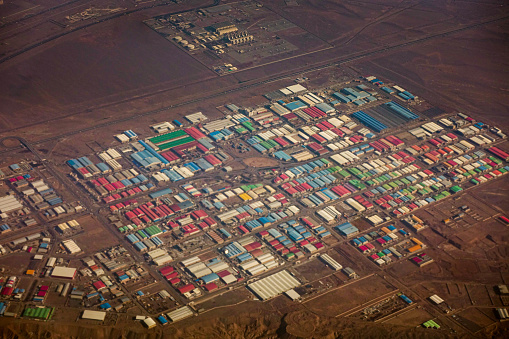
(348, 200)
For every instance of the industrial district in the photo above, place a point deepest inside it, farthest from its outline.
(354, 165)
(333, 192)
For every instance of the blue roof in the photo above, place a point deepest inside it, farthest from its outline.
(324, 107)
(341, 97)
(210, 278)
(162, 319)
(347, 229)
(295, 105)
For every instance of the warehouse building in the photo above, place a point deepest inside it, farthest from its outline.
(149, 323)
(196, 117)
(436, 299)
(93, 315)
(273, 285)
(63, 272)
(180, 313)
(162, 127)
(331, 262)
(9, 203)
(71, 247)
(222, 28)
(347, 230)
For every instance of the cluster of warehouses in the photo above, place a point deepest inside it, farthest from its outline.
(37, 191)
(297, 238)
(187, 170)
(382, 245)
(323, 132)
(145, 239)
(86, 168)
(377, 126)
(389, 178)
(397, 90)
(174, 144)
(357, 96)
(401, 168)
(211, 274)
(271, 210)
(315, 136)
(148, 213)
(130, 181)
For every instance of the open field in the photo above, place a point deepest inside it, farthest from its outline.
(350, 296)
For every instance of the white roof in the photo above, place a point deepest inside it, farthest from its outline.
(93, 315)
(285, 91)
(149, 322)
(292, 294)
(180, 313)
(274, 285)
(63, 272)
(196, 117)
(71, 246)
(230, 278)
(296, 88)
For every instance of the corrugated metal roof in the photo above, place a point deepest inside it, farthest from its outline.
(274, 285)
(180, 313)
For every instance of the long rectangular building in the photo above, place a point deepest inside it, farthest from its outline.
(273, 285)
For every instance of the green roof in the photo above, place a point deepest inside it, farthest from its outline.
(167, 136)
(178, 142)
(153, 230)
(38, 312)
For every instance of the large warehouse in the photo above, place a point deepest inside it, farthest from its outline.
(273, 285)
(63, 272)
(93, 315)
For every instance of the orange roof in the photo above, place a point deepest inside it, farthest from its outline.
(414, 248)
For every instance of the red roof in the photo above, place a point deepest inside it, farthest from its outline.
(210, 286)
(257, 252)
(223, 274)
(7, 290)
(166, 270)
(99, 285)
(171, 275)
(186, 288)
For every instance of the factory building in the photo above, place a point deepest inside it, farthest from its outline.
(223, 28)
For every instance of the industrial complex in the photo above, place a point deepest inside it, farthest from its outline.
(355, 163)
(254, 169)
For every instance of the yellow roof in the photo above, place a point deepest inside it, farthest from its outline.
(30, 272)
(417, 241)
(245, 196)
